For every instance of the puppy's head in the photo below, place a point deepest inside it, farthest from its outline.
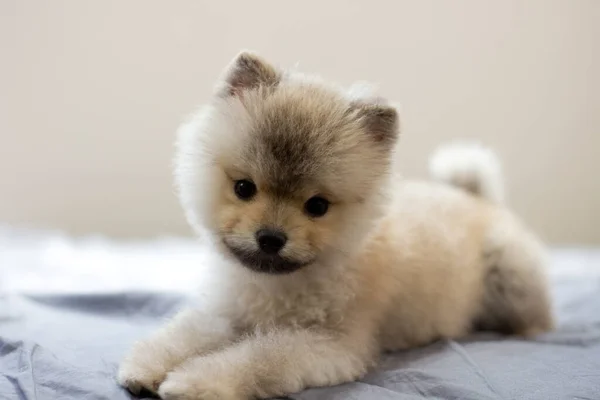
(284, 171)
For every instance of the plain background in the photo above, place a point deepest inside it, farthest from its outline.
(91, 93)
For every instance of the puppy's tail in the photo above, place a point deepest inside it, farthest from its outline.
(471, 167)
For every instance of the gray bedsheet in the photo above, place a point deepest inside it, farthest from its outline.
(68, 347)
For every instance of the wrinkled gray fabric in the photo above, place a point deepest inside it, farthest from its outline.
(68, 347)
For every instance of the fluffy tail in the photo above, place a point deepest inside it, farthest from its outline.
(471, 167)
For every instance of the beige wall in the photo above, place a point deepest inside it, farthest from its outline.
(91, 93)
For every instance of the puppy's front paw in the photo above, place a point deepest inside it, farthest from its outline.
(182, 385)
(136, 377)
(142, 369)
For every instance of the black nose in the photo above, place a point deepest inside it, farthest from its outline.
(270, 241)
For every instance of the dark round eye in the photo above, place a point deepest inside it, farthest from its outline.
(316, 206)
(244, 189)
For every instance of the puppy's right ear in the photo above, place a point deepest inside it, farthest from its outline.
(247, 71)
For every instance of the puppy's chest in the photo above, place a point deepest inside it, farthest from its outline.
(256, 308)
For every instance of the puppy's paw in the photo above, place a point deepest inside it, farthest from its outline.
(137, 377)
(183, 385)
(144, 368)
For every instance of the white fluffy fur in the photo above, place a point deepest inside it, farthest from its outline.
(470, 166)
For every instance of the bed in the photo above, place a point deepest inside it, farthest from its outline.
(70, 309)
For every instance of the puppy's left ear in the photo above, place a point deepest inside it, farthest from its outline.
(247, 71)
(379, 119)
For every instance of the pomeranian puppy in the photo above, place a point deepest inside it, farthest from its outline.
(328, 258)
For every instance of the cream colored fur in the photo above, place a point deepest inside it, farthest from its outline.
(395, 264)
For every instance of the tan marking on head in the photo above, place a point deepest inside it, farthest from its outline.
(309, 135)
